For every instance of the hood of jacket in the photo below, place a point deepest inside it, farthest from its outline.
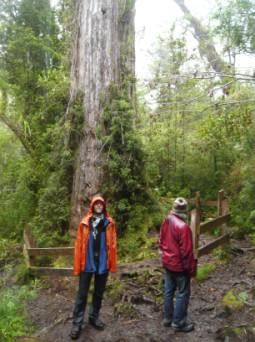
(95, 199)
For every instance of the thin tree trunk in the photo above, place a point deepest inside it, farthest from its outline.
(103, 51)
(205, 44)
(13, 126)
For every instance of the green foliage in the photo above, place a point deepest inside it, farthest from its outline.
(13, 321)
(36, 180)
(136, 245)
(185, 140)
(125, 181)
(9, 250)
(235, 24)
(125, 310)
(234, 301)
(204, 271)
(222, 254)
(252, 238)
(16, 199)
(115, 290)
(194, 141)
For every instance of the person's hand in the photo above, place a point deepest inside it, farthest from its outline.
(193, 272)
(193, 281)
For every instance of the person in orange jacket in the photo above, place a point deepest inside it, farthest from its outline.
(95, 254)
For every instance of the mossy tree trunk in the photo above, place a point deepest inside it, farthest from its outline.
(103, 54)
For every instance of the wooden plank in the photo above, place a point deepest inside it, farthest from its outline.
(195, 228)
(219, 221)
(49, 251)
(198, 201)
(206, 203)
(220, 202)
(26, 256)
(225, 210)
(191, 201)
(210, 203)
(29, 243)
(66, 271)
(225, 207)
(210, 246)
(28, 238)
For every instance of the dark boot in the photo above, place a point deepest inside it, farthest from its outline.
(75, 332)
(97, 323)
(186, 327)
(166, 322)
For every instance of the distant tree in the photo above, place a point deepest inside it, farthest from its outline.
(235, 26)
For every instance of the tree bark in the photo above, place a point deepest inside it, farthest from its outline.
(103, 52)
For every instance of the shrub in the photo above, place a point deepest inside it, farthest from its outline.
(13, 321)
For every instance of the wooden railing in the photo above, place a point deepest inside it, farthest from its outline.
(31, 251)
(219, 222)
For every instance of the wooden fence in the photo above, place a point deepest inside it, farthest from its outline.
(31, 251)
(223, 216)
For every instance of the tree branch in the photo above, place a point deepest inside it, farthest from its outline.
(17, 130)
(205, 44)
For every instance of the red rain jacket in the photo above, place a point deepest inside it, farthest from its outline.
(176, 245)
(81, 243)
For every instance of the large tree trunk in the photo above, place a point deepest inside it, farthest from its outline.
(103, 52)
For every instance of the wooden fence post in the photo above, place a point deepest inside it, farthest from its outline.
(195, 228)
(220, 202)
(223, 208)
(198, 201)
(29, 243)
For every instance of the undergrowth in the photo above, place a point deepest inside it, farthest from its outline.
(13, 319)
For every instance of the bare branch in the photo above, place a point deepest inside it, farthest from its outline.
(206, 46)
(16, 129)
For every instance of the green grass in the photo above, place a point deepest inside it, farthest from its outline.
(204, 271)
(13, 320)
(115, 290)
(233, 300)
(252, 238)
(222, 254)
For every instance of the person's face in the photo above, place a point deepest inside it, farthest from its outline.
(98, 208)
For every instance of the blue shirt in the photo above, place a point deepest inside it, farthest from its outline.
(91, 265)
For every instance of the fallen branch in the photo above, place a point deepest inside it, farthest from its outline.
(45, 330)
(248, 249)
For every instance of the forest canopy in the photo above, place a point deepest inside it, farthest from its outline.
(78, 120)
(191, 128)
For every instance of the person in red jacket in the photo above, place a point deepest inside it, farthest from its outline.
(178, 261)
(94, 255)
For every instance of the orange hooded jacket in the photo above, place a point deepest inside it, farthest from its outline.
(81, 243)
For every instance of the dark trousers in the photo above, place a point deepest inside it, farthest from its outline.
(179, 281)
(82, 295)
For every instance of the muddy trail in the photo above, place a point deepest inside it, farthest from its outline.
(132, 307)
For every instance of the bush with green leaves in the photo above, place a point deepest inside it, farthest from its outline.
(13, 319)
(125, 182)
